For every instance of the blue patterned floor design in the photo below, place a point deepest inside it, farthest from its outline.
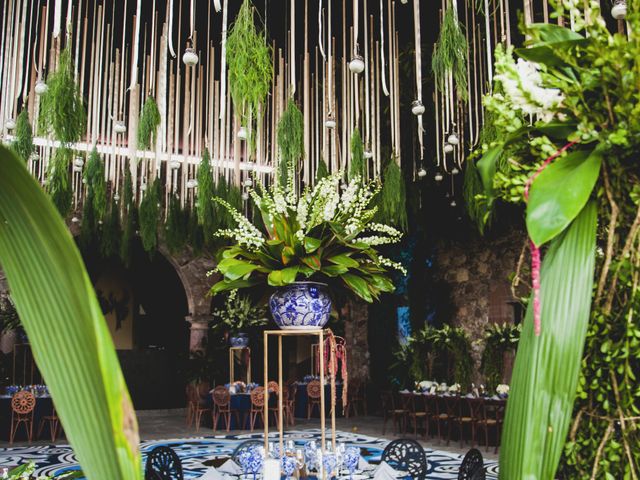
(56, 459)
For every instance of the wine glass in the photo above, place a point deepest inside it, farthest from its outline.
(351, 460)
(311, 455)
(329, 463)
(288, 466)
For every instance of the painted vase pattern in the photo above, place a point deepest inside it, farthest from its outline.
(239, 340)
(301, 306)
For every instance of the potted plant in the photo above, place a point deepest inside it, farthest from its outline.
(239, 313)
(308, 243)
(501, 342)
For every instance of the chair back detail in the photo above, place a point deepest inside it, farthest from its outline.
(408, 456)
(472, 467)
(221, 396)
(313, 389)
(164, 464)
(257, 397)
(273, 387)
(23, 402)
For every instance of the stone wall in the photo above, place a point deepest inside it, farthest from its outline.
(478, 274)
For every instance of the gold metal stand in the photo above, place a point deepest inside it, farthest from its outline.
(232, 354)
(321, 334)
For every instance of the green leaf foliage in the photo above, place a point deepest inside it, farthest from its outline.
(322, 170)
(62, 111)
(60, 312)
(23, 142)
(111, 234)
(450, 54)
(357, 167)
(547, 367)
(205, 206)
(290, 134)
(58, 185)
(129, 215)
(498, 340)
(393, 197)
(148, 124)
(94, 176)
(176, 227)
(560, 192)
(150, 217)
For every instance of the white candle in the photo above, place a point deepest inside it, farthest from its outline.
(271, 469)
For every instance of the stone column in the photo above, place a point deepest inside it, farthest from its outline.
(199, 332)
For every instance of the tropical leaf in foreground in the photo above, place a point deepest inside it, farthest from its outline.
(547, 367)
(69, 337)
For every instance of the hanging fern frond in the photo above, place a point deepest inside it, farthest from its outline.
(58, 184)
(475, 199)
(322, 171)
(23, 142)
(290, 133)
(96, 184)
(249, 61)
(62, 111)
(205, 206)
(130, 214)
(111, 234)
(450, 55)
(149, 217)
(357, 166)
(393, 197)
(176, 226)
(148, 124)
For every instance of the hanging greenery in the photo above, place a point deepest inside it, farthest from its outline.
(393, 197)
(453, 343)
(58, 180)
(23, 142)
(498, 340)
(148, 124)
(322, 170)
(472, 191)
(111, 233)
(450, 55)
(205, 206)
(249, 60)
(130, 214)
(62, 110)
(290, 134)
(96, 184)
(176, 226)
(357, 167)
(150, 217)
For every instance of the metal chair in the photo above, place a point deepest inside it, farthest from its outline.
(406, 455)
(289, 403)
(54, 424)
(163, 464)
(313, 397)
(23, 405)
(472, 467)
(222, 407)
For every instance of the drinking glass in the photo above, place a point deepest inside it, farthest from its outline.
(288, 465)
(351, 459)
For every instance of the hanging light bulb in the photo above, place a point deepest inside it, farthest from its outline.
(330, 122)
(248, 183)
(453, 138)
(455, 171)
(192, 183)
(448, 148)
(417, 108)
(242, 133)
(75, 220)
(10, 124)
(143, 186)
(368, 154)
(119, 126)
(77, 169)
(40, 87)
(190, 57)
(356, 65)
(619, 9)
(438, 177)
(116, 197)
(174, 164)
(79, 162)
(245, 196)
(453, 203)
(422, 172)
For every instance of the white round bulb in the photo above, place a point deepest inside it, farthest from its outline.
(356, 65)
(330, 123)
(190, 57)
(40, 87)
(453, 139)
(77, 169)
(248, 182)
(245, 196)
(438, 177)
(455, 171)
(119, 126)
(368, 155)
(417, 107)
(10, 124)
(422, 173)
(242, 133)
(174, 164)
(79, 162)
(619, 9)
(453, 203)
(448, 148)
(193, 183)
(75, 220)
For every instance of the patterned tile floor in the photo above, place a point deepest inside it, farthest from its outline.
(55, 459)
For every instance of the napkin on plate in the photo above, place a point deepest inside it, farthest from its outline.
(230, 467)
(364, 466)
(384, 472)
(211, 474)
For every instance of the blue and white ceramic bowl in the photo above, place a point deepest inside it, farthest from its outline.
(239, 340)
(301, 306)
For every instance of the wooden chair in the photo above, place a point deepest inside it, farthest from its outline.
(197, 406)
(222, 407)
(416, 416)
(441, 414)
(392, 411)
(54, 424)
(476, 406)
(313, 396)
(274, 390)
(23, 405)
(492, 418)
(257, 407)
(289, 403)
(465, 416)
(355, 399)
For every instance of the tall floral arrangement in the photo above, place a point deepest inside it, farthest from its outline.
(567, 135)
(324, 234)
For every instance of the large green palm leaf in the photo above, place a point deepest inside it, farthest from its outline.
(69, 337)
(547, 367)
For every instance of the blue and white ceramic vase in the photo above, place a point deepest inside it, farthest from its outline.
(301, 306)
(239, 340)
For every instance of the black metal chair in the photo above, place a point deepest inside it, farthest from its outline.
(472, 467)
(244, 446)
(406, 455)
(163, 464)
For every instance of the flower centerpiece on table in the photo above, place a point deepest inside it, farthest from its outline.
(239, 314)
(306, 243)
(454, 389)
(502, 390)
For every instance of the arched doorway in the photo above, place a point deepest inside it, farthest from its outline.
(145, 305)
